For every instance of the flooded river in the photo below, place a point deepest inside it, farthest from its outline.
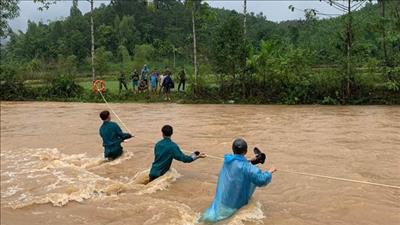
(52, 170)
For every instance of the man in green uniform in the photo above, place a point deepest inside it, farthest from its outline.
(112, 136)
(122, 81)
(182, 80)
(165, 151)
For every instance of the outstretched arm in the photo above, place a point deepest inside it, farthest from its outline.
(180, 156)
(123, 136)
(258, 177)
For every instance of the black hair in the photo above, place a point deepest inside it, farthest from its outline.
(239, 146)
(167, 130)
(104, 115)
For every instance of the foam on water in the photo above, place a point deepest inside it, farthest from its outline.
(161, 183)
(252, 212)
(48, 176)
(40, 176)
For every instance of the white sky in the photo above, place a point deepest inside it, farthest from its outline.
(275, 10)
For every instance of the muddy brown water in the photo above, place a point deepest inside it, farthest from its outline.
(52, 170)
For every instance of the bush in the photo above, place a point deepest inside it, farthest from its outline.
(63, 87)
(11, 86)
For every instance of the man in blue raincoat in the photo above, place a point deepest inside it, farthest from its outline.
(112, 136)
(237, 181)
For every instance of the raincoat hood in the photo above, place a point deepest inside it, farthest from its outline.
(229, 158)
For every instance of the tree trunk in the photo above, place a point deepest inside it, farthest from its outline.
(194, 44)
(92, 36)
(384, 33)
(245, 18)
(174, 50)
(349, 48)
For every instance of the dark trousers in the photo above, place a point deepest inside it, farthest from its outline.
(181, 82)
(111, 155)
(124, 84)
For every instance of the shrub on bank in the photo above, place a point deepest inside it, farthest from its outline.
(11, 86)
(63, 86)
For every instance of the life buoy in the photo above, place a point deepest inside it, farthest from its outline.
(99, 86)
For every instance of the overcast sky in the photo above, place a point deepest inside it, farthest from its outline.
(275, 10)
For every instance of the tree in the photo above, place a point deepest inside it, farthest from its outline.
(347, 8)
(229, 50)
(244, 18)
(92, 38)
(102, 60)
(194, 4)
(9, 10)
(127, 34)
(46, 4)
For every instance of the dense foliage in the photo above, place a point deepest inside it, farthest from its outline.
(291, 62)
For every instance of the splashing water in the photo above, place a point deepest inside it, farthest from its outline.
(47, 176)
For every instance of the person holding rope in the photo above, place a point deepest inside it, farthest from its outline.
(112, 136)
(165, 151)
(237, 182)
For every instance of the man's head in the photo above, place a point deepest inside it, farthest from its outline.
(105, 115)
(239, 146)
(167, 131)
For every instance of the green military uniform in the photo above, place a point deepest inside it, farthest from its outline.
(165, 151)
(112, 136)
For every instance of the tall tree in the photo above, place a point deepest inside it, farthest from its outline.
(244, 18)
(348, 7)
(383, 15)
(9, 10)
(46, 4)
(92, 40)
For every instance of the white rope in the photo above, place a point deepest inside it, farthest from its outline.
(108, 105)
(341, 179)
(285, 171)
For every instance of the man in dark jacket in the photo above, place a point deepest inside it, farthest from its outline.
(165, 151)
(122, 81)
(112, 136)
(167, 84)
(182, 80)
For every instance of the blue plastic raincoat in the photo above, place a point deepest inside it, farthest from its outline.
(237, 182)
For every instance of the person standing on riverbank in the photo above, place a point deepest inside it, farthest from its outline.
(153, 82)
(144, 72)
(165, 151)
(135, 80)
(237, 182)
(182, 80)
(112, 136)
(122, 81)
(168, 83)
(160, 83)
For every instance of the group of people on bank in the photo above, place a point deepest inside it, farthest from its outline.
(237, 180)
(152, 81)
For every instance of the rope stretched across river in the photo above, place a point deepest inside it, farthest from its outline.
(285, 171)
(116, 115)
